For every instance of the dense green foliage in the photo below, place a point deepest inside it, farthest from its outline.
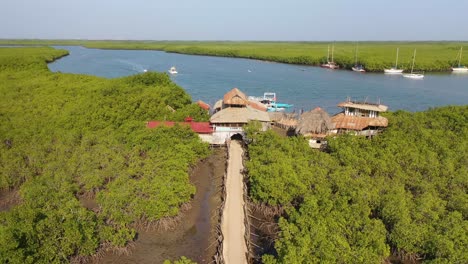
(375, 56)
(404, 191)
(66, 136)
(182, 260)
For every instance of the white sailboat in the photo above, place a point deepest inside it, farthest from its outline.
(413, 75)
(394, 70)
(356, 67)
(460, 67)
(330, 64)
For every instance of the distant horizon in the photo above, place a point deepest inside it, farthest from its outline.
(242, 20)
(225, 40)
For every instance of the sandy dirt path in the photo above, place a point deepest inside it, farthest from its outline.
(232, 226)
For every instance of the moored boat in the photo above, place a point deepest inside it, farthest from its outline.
(172, 70)
(269, 101)
(394, 70)
(357, 67)
(330, 63)
(414, 75)
(460, 68)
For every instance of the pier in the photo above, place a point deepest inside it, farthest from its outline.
(232, 223)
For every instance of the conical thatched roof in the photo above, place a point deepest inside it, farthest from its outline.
(235, 97)
(316, 121)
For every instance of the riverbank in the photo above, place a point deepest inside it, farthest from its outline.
(374, 56)
(195, 235)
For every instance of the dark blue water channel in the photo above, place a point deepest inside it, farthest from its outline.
(209, 78)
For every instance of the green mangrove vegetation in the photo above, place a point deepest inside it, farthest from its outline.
(403, 193)
(87, 169)
(374, 56)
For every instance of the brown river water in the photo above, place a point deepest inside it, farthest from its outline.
(195, 235)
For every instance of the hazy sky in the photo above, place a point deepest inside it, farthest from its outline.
(235, 19)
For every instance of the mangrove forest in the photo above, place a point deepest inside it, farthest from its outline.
(76, 151)
(401, 196)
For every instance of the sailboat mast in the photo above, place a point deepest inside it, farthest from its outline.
(414, 57)
(355, 55)
(333, 48)
(396, 62)
(328, 54)
(459, 60)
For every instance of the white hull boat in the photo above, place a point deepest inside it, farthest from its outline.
(172, 70)
(394, 70)
(460, 68)
(357, 67)
(413, 75)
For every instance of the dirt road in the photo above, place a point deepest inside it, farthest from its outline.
(234, 247)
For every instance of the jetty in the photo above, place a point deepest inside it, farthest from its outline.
(233, 217)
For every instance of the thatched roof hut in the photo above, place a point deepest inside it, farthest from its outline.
(314, 123)
(239, 115)
(235, 98)
(358, 123)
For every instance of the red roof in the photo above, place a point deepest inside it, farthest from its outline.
(203, 105)
(257, 105)
(197, 127)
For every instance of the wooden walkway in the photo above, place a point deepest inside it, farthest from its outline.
(232, 223)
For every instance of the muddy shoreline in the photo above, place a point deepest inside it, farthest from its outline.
(9, 199)
(195, 235)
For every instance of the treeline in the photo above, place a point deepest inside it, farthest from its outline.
(403, 193)
(66, 139)
(374, 56)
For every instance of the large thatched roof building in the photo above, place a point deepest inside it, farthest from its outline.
(315, 123)
(233, 112)
(360, 117)
(236, 98)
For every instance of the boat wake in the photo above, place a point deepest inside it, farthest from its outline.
(131, 66)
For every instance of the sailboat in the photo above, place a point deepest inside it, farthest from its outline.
(413, 75)
(394, 70)
(460, 67)
(330, 64)
(357, 68)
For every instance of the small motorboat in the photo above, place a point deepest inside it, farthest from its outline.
(269, 101)
(172, 70)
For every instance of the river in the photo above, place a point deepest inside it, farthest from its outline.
(208, 78)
